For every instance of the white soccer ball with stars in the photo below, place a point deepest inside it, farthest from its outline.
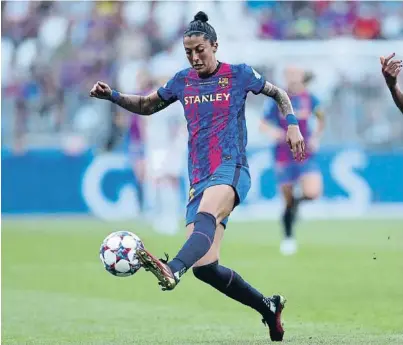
(118, 253)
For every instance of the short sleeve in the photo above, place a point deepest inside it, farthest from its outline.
(270, 111)
(253, 81)
(316, 107)
(168, 92)
(315, 102)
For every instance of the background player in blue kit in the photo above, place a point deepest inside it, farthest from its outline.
(288, 171)
(213, 95)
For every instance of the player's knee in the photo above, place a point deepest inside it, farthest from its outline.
(312, 187)
(312, 193)
(206, 272)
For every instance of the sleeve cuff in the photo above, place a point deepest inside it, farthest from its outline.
(261, 89)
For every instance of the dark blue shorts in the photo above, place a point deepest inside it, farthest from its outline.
(291, 172)
(236, 176)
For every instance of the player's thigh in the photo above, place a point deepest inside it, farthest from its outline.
(218, 200)
(139, 168)
(214, 252)
(311, 184)
(287, 190)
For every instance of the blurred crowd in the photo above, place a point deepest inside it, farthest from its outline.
(329, 19)
(54, 51)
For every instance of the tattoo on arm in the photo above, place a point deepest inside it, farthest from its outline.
(142, 105)
(280, 96)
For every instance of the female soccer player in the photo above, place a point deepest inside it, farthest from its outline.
(288, 171)
(213, 95)
(390, 71)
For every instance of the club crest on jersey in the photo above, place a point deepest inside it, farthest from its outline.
(223, 82)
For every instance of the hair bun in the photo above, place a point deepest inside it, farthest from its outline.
(201, 16)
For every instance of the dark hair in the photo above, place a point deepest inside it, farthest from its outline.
(308, 77)
(199, 26)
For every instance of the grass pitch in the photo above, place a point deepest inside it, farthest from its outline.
(345, 286)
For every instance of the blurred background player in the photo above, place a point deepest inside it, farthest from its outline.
(135, 138)
(390, 71)
(166, 156)
(290, 172)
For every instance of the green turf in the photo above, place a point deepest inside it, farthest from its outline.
(55, 291)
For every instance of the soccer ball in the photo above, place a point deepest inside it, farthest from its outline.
(118, 253)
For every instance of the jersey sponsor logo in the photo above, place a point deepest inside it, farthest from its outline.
(217, 97)
(191, 193)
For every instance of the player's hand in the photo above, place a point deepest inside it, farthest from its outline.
(296, 142)
(101, 90)
(390, 69)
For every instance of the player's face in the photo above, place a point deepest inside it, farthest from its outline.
(201, 54)
(294, 78)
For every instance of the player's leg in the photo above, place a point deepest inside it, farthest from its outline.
(231, 284)
(216, 203)
(167, 200)
(310, 179)
(139, 168)
(311, 185)
(202, 251)
(287, 191)
(208, 208)
(211, 201)
(288, 245)
(286, 178)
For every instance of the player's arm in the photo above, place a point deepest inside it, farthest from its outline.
(318, 112)
(293, 137)
(390, 71)
(271, 130)
(317, 134)
(142, 105)
(280, 96)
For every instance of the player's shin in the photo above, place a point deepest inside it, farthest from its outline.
(231, 284)
(140, 195)
(197, 245)
(288, 221)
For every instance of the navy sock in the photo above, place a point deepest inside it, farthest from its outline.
(231, 284)
(290, 213)
(197, 245)
(288, 221)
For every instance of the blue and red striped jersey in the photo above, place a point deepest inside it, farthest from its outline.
(304, 104)
(215, 113)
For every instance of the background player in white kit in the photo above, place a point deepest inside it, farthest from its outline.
(166, 149)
